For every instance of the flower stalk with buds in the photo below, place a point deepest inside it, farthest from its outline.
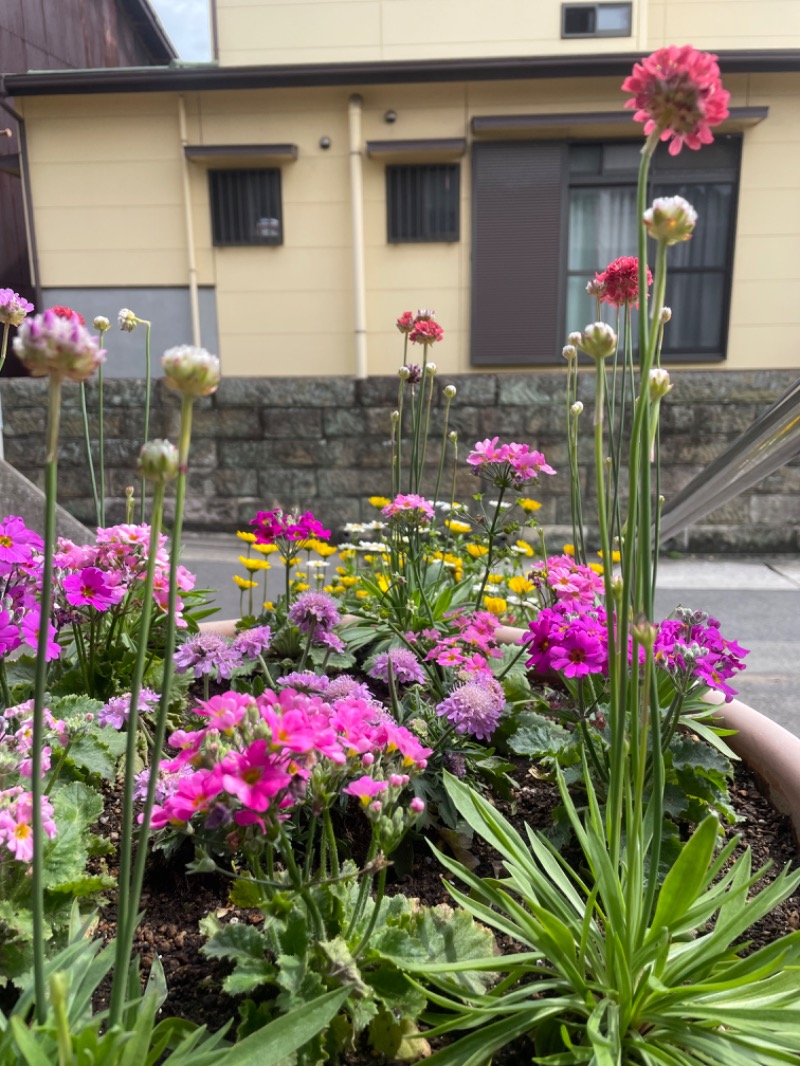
(128, 322)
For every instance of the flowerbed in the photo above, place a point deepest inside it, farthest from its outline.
(381, 705)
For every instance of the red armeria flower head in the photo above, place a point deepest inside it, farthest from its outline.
(426, 331)
(405, 322)
(620, 282)
(678, 92)
(69, 314)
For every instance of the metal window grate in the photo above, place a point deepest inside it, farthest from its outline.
(246, 206)
(422, 203)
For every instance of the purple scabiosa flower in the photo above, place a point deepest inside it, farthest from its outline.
(474, 707)
(13, 307)
(53, 344)
(251, 643)
(406, 668)
(206, 654)
(305, 681)
(116, 712)
(91, 587)
(314, 612)
(345, 685)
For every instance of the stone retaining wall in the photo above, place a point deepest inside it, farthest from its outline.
(323, 445)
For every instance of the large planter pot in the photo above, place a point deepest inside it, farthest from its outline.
(769, 750)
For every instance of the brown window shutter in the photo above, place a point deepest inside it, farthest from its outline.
(517, 228)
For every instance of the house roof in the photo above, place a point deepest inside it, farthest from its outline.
(189, 77)
(147, 24)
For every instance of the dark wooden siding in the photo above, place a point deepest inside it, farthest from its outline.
(56, 35)
(516, 252)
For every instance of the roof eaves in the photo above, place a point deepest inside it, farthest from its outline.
(180, 77)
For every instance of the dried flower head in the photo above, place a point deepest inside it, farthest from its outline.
(127, 320)
(192, 371)
(52, 344)
(677, 93)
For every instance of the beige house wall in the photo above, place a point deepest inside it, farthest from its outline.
(330, 31)
(106, 174)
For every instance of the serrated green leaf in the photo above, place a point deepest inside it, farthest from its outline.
(538, 736)
(75, 807)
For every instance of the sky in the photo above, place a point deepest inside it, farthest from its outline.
(187, 24)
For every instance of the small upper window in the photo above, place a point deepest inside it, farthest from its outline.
(246, 206)
(595, 20)
(422, 203)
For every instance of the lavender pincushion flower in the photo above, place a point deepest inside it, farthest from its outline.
(206, 654)
(406, 668)
(345, 685)
(474, 707)
(251, 643)
(304, 681)
(312, 611)
(117, 711)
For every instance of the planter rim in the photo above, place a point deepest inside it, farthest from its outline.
(768, 749)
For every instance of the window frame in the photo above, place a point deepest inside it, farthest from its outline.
(393, 234)
(273, 190)
(656, 181)
(594, 33)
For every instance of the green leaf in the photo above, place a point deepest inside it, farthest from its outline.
(32, 1054)
(75, 808)
(283, 1036)
(686, 879)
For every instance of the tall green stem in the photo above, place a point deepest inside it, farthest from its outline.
(127, 914)
(89, 458)
(147, 388)
(169, 664)
(40, 686)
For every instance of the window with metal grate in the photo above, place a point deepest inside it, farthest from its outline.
(246, 206)
(422, 203)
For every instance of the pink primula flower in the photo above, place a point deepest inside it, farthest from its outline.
(366, 788)
(92, 587)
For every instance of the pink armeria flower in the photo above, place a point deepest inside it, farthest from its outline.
(50, 344)
(91, 587)
(677, 92)
(13, 307)
(405, 323)
(409, 505)
(619, 282)
(425, 329)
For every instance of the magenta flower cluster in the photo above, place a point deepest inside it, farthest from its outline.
(570, 582)
(112, 570)
(259, 758)
(692, 643)
(409, 508)
(272, 527)
(469, 649)
(568, 640)
(20, 577)
(507, 465)
(16, 740)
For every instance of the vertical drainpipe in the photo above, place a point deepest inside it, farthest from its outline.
(357, 210)
(194, 301)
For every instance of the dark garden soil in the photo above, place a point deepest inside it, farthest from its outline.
(175, 902)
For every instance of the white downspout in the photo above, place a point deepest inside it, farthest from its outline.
(357, 210)
(194, 299)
